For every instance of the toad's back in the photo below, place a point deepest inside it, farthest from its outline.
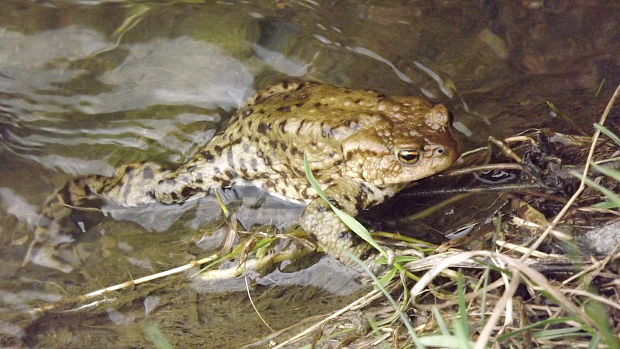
(267, 138)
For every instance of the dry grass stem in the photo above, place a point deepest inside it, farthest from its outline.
(369, 297)
(591, 295)
(487, 330)
(537, 278)
(520, 249)
(247, 289)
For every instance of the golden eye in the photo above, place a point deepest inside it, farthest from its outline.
(408, 156)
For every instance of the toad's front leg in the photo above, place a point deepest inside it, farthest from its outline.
(331, 233)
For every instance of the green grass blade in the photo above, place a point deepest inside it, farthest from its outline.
(614, 137)
(264, 242)
(608, 171)
(349, 221)
(600, 87)
(601, 317)
(568, 332)
(463, 318)
(385, 279)
(387, 295)
(606, 205)
(546, 322)
(555, 109)
(440, 322)
(613, 197)
(464, 341)
(596, 339)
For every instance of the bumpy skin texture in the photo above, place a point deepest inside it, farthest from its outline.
(363, 147)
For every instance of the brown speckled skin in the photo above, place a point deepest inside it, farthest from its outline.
(351, 138)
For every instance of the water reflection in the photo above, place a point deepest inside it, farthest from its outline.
(15, 205)
(33, 64)
(180, 71)
(177, 71)
(73, 102)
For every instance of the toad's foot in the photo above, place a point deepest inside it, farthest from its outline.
(332, 234)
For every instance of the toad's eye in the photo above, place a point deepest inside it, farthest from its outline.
(408, 156)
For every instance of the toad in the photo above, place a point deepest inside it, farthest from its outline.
(362, 146)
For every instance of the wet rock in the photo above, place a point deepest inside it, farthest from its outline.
(600, 241)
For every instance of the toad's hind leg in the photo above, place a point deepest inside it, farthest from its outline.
(133, 185)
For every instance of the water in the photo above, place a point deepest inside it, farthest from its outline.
(86, 86)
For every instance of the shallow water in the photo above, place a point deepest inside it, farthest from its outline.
(86, 86)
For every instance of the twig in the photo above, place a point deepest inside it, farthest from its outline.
(125, 284)
(505, 149)
(489, 167)
(517, 187)
(595, 267)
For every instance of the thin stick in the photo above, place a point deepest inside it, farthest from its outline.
(488, 167)
(593, 268)
(475, 190)
(505, 149)
(582, 184)
(126, 284)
